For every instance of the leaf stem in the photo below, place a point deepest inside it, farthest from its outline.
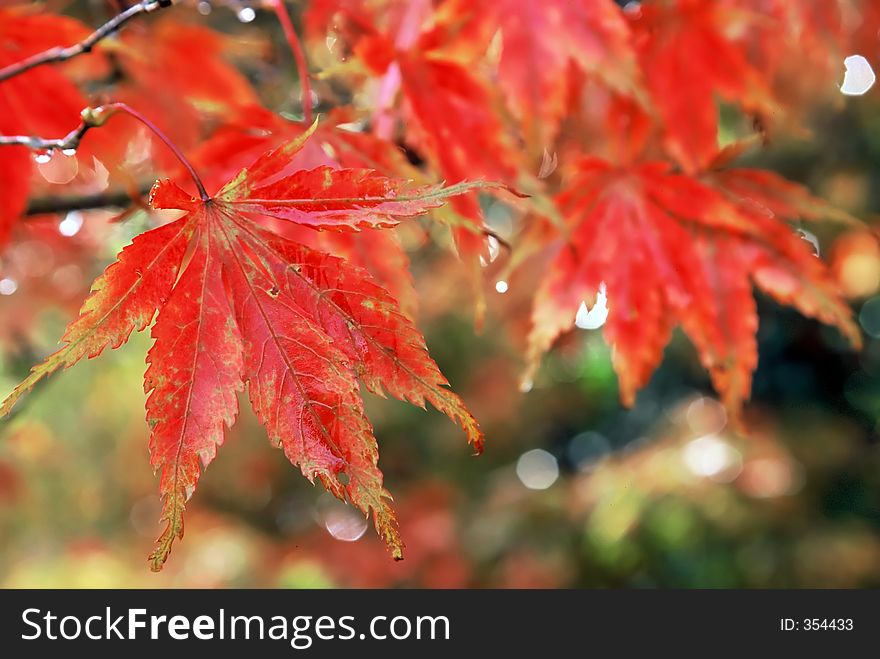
(122, 107)
(298, 55)
(61, 54)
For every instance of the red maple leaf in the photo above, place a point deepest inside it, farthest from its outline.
(800, 46)
(237, 143)
(675, 250)
(690, 51)
(451, 112)
(541, 42)
(297, 327)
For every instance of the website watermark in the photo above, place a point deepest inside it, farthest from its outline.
(301, 631)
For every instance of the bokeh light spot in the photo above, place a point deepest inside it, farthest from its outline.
(869, 317)
(537, 469)
(590, 319)
(859, 76)
(712, 457)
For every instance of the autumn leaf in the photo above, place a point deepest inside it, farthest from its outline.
(378, 251)
(672, 250)
(238, 143)
(690, 51)
(800, 46)
(541, 42)
(250, 308)
(123, 299)
(451, 114)
(334, 143)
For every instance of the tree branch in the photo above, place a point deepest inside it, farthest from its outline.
(108, 199)
(69, 141)
(94, 118)
(60, 54)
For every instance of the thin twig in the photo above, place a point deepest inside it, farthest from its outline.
(69, 141)
(94, 118)
(122, 107)
(61, 54)
(109, 199)
(298, 55)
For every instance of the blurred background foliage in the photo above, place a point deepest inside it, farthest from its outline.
(572, 491)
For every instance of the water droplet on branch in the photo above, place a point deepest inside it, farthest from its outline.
(71, 224)
(246, 14)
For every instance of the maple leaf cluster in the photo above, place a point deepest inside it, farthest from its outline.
(288, 282)
(645, 206)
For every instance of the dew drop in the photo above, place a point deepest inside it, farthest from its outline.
(57, 169)
(494, 248)
(69, 152)
(352, 127)
(345, 525)
(811, 238)
(548, 164)
(71, 224)
(340, 520)
(204, 8)
(501, 286)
